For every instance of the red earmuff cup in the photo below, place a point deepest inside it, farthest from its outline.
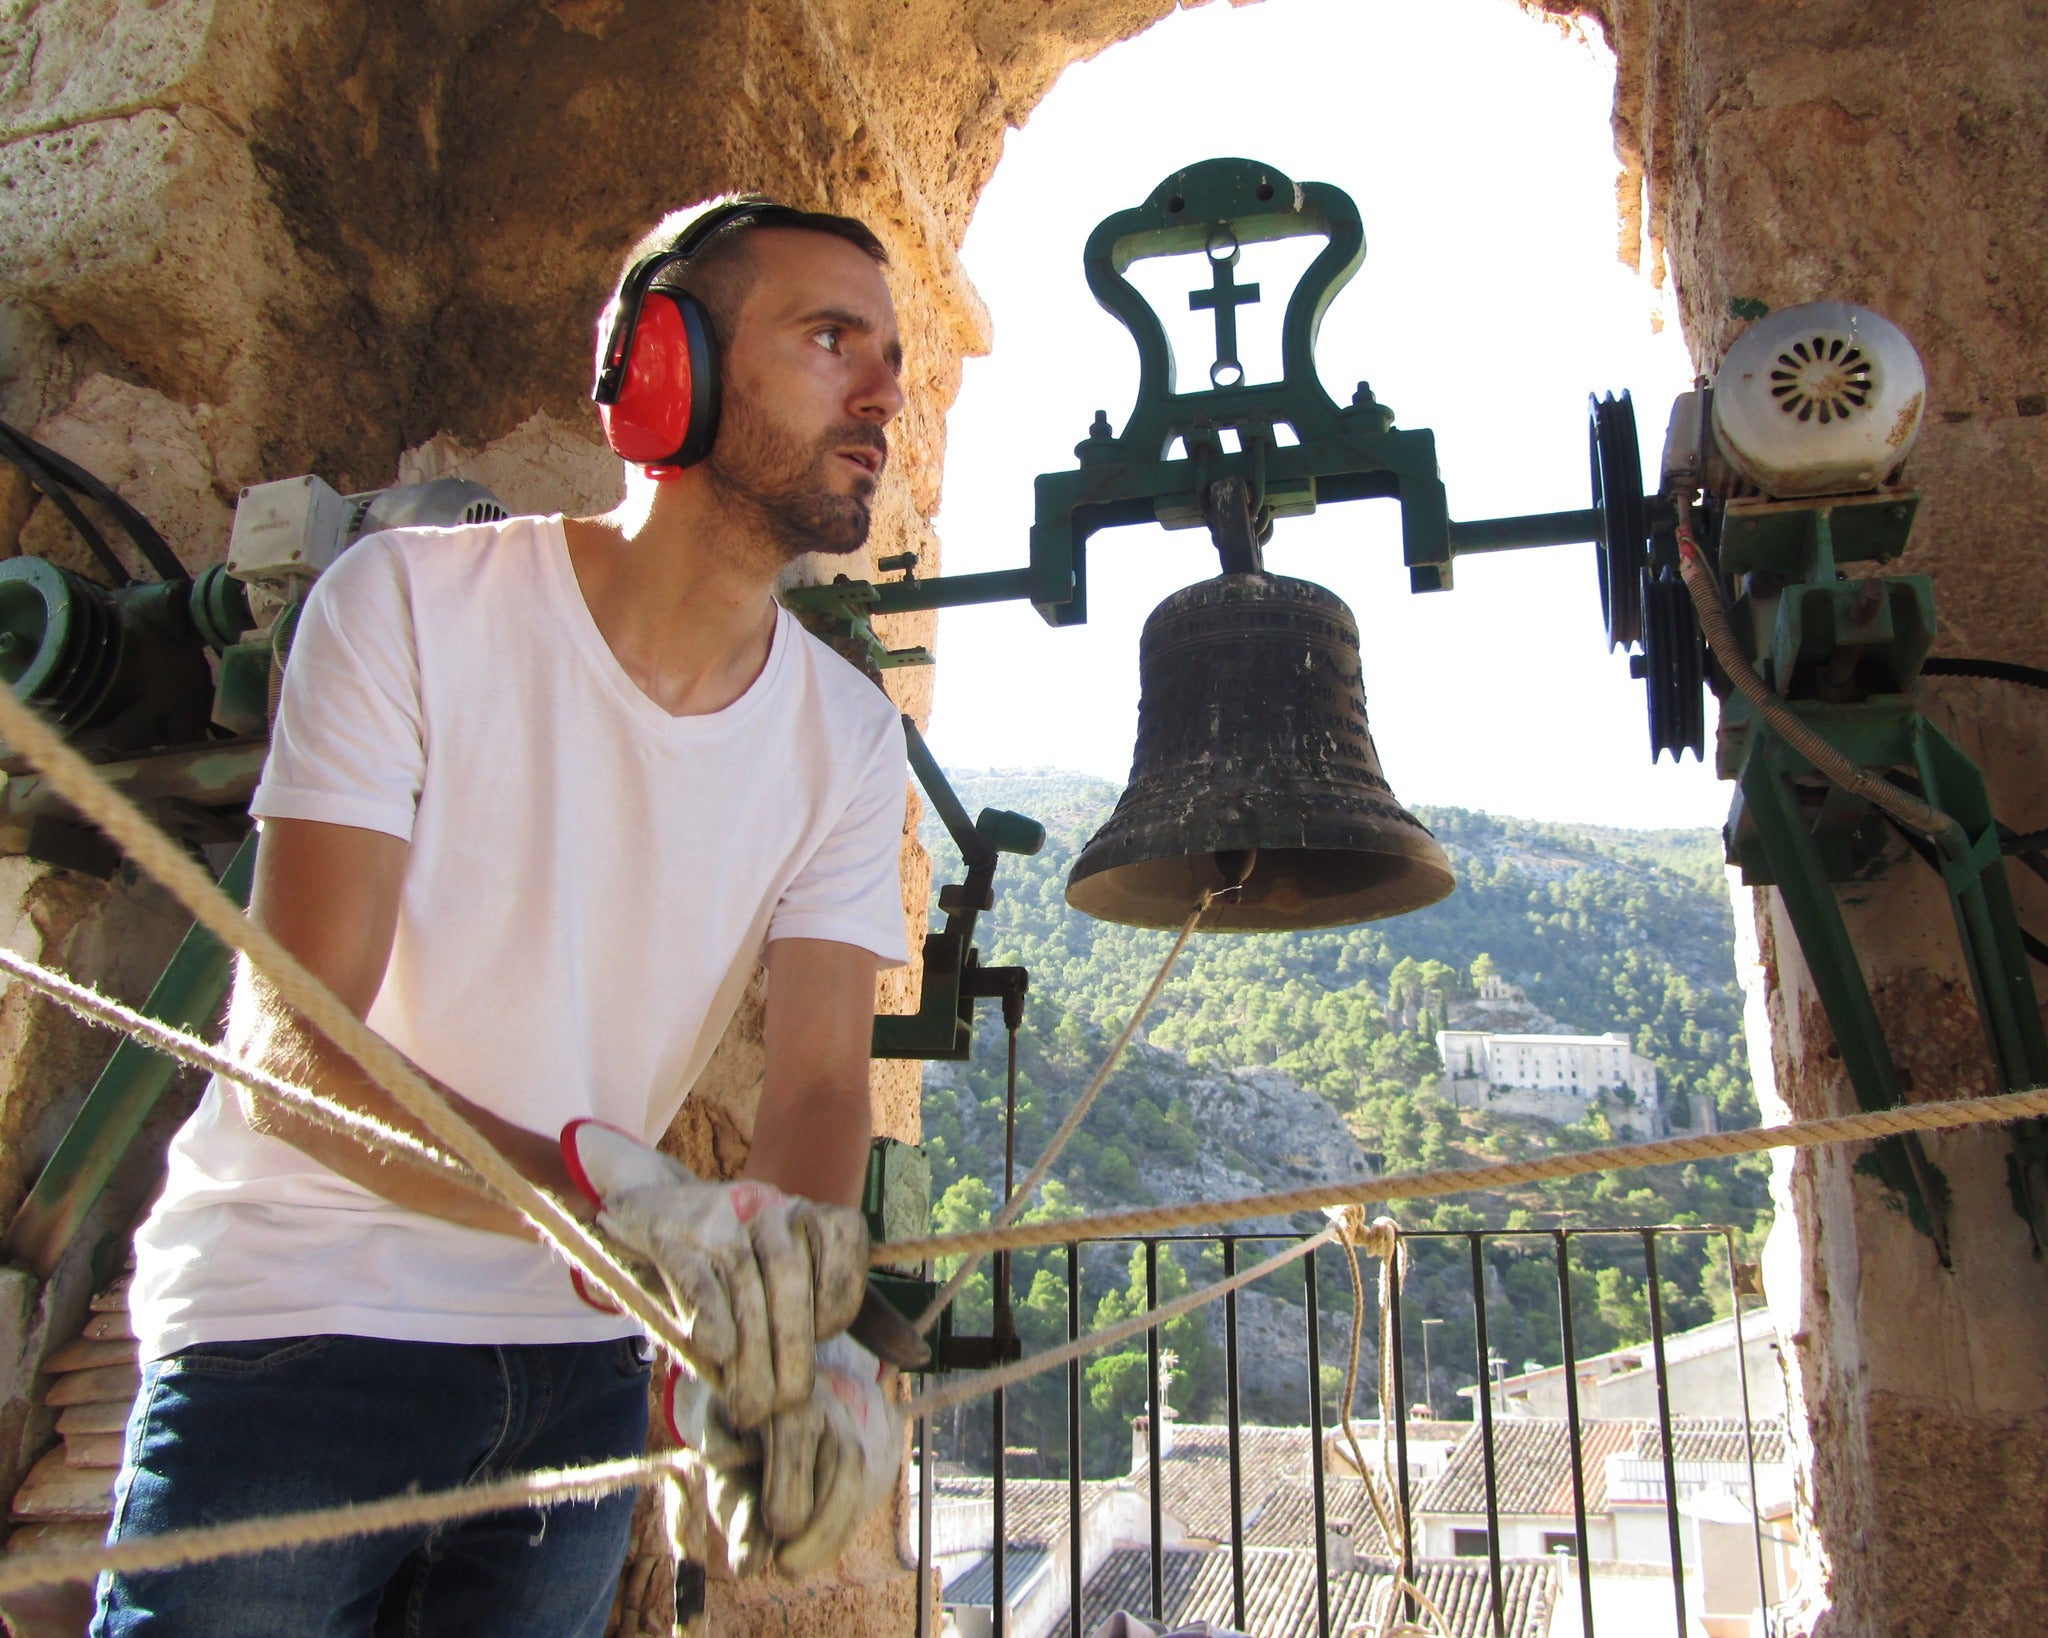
(651, 420)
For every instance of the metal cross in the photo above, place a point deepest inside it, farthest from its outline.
(1226, 296)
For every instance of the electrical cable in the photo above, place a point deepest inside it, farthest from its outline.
(53, 491)
(1924, 851)
(26, 453)
(2010, 671)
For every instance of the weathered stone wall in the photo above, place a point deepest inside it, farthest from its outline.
(1890, 154)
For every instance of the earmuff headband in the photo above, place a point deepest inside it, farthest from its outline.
(611, 374)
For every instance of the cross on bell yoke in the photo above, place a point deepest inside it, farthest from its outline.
(1255, 776)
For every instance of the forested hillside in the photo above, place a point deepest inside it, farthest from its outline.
(1603, 929)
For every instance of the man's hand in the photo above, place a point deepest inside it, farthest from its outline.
(761, 1277)
(820, 1469)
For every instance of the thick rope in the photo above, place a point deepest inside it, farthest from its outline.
(546, 1489)
(1784, 722)
(154, 1033)
(981, 1383)
(1023, 1191)
(1864, 1126)
(1381, 1239)
(76, 781)
(139, 1555)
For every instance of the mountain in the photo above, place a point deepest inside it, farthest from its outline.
(1275, 1059)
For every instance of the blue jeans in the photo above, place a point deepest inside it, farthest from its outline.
(233, 1430)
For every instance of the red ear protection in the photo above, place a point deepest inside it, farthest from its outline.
(657, 378)
(664, 411)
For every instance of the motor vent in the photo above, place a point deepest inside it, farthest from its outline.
(1826, 379)
(1820, 399)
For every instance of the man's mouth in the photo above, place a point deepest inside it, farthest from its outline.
(868, 460)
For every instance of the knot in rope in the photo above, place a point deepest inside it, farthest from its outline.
(1377, 1237)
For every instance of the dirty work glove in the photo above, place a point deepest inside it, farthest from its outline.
(759, 1276)
(793, 1494)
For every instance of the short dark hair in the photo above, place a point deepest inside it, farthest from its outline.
(719, 273)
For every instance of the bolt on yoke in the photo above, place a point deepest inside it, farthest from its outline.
(1337, 453)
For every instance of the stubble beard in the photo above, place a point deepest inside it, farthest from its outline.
(763, 472)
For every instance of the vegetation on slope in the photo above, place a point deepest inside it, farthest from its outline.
(1603, 929)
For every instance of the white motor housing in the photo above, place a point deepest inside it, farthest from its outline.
(1820, 399)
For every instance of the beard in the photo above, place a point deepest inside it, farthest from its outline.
(768, 473)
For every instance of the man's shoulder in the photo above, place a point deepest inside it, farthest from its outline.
(404, 563)
(850, 698)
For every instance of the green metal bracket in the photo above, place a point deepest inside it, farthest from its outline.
(1846, 655)
(188, 995)
(840, 613)
(954, 979)
(1769, 809)
(1337, 453)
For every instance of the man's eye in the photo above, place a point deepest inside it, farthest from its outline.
(827, 339)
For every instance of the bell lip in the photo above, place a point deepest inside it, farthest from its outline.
(1331, 831)
(1414, 882)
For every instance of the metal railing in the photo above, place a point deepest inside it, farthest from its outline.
(1669, 1480)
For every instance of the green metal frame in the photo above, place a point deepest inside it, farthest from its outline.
(1352, 452)
(1863, 641)
(189, 996)
(953, 976)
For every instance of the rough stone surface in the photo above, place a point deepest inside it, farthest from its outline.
(1887, 154)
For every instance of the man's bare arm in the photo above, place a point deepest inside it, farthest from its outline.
(812, 1131)
(330, 895)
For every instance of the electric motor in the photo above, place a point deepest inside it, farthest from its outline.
(1819, 399)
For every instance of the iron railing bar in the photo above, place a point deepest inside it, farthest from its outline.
(1073, 1443)
(1500, 1629)
(1235, 1414)
(1664, 1425)
(1547, 1233)
(1154, 1430)
(999, 1429)
(927, 1474)
(1756, 1522)
(1572, 1428)
(925, 1469)
(1400, 1414)
(1315, 1446)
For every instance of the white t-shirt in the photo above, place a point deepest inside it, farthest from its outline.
(589, 887)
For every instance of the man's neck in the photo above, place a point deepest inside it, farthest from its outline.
(680, 591)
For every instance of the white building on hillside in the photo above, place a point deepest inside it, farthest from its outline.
(1552, 1077)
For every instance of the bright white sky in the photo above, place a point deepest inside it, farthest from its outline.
(1476, 142)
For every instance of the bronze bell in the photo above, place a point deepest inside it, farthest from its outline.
(1255, 766)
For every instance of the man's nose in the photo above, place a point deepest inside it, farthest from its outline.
(878, 395)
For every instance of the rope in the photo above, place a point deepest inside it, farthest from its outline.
(175, 1548)
(934, 1400)
(76, 781)
(1863, 1126)
(1381, 1239)
(1826, 760)
(96, 1008)
(1024, 1190)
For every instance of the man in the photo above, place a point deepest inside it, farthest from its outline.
(540, 796)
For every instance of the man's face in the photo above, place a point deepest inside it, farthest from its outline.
(811, 377)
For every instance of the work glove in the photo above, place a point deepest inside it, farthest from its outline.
(793, 1493)
(759, 1277)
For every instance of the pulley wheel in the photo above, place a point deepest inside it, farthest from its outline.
(1673, 666)
(1622, 552)
(58, 640)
